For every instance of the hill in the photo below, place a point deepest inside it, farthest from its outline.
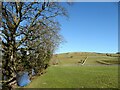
(80, 70)
(86, 58)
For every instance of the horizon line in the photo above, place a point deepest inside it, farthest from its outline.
(84, 52)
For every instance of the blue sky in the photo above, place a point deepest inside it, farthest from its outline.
(92, 27)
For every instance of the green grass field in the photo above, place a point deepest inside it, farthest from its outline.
(68, 73)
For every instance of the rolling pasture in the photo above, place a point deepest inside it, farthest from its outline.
(79, 70)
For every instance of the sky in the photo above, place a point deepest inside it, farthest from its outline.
(91, 27)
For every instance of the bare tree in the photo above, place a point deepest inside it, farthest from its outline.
(30, 34)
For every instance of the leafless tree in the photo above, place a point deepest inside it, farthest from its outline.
(30, 34)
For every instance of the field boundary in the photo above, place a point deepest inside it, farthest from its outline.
(84, 61)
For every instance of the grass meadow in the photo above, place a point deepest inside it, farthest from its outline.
(67, 71)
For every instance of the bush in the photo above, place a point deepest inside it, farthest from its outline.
(71, 56)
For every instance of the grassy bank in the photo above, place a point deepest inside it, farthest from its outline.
(77, 77)
(66, 71)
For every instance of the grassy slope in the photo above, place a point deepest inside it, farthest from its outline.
(69, 74)
(73, 58)
(77, 77)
